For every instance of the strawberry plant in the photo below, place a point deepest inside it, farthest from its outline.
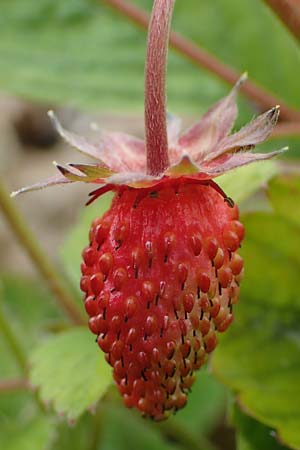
(161, 265)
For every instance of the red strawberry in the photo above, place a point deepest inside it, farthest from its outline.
(162, 271)
(161, 275)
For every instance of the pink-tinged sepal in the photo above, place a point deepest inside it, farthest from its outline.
(230, 161)
(94, 171)
(118, 151)
(174, 125)
(186, 169)
(212, 127)
(88, 173)
(52, 181)
(247, 137)
(78, 142)
(133, 179)
(123, 152)
(203, 152)
(73, 175)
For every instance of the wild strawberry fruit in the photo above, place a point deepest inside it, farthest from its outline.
(161, 272)
(160, 277)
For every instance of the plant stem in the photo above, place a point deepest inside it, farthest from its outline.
(13, 385)
(155, 87)
(289, 13)
(38, 257)
(202, 58)
(97, 427)
(12, 340)
(284, 129)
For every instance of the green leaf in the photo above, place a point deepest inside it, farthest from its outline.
(32, 434)
(81, 435)
(92, 57)
(205, 408)
(70, 371)
(255, 40)
(245, 181)
(29, 303)
(259, 358)
(22, 426)
(252, 435)
(78, 237)
(283, 194)
(124, 430)
(87, 55)
(29, 309)
(112, 428)
(116, 427)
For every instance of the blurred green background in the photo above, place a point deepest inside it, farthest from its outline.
(87, 62)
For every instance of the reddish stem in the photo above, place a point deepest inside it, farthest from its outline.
(289, 13)
(202, 58)
(284, 129)
(155, 87)
(13, 385)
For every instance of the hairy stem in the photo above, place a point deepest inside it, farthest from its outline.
(155, 87)
(12, 340)
(289, 13)
(38, 257)
(200, 57)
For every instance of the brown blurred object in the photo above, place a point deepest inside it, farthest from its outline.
(33, 127)
(53, 212)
